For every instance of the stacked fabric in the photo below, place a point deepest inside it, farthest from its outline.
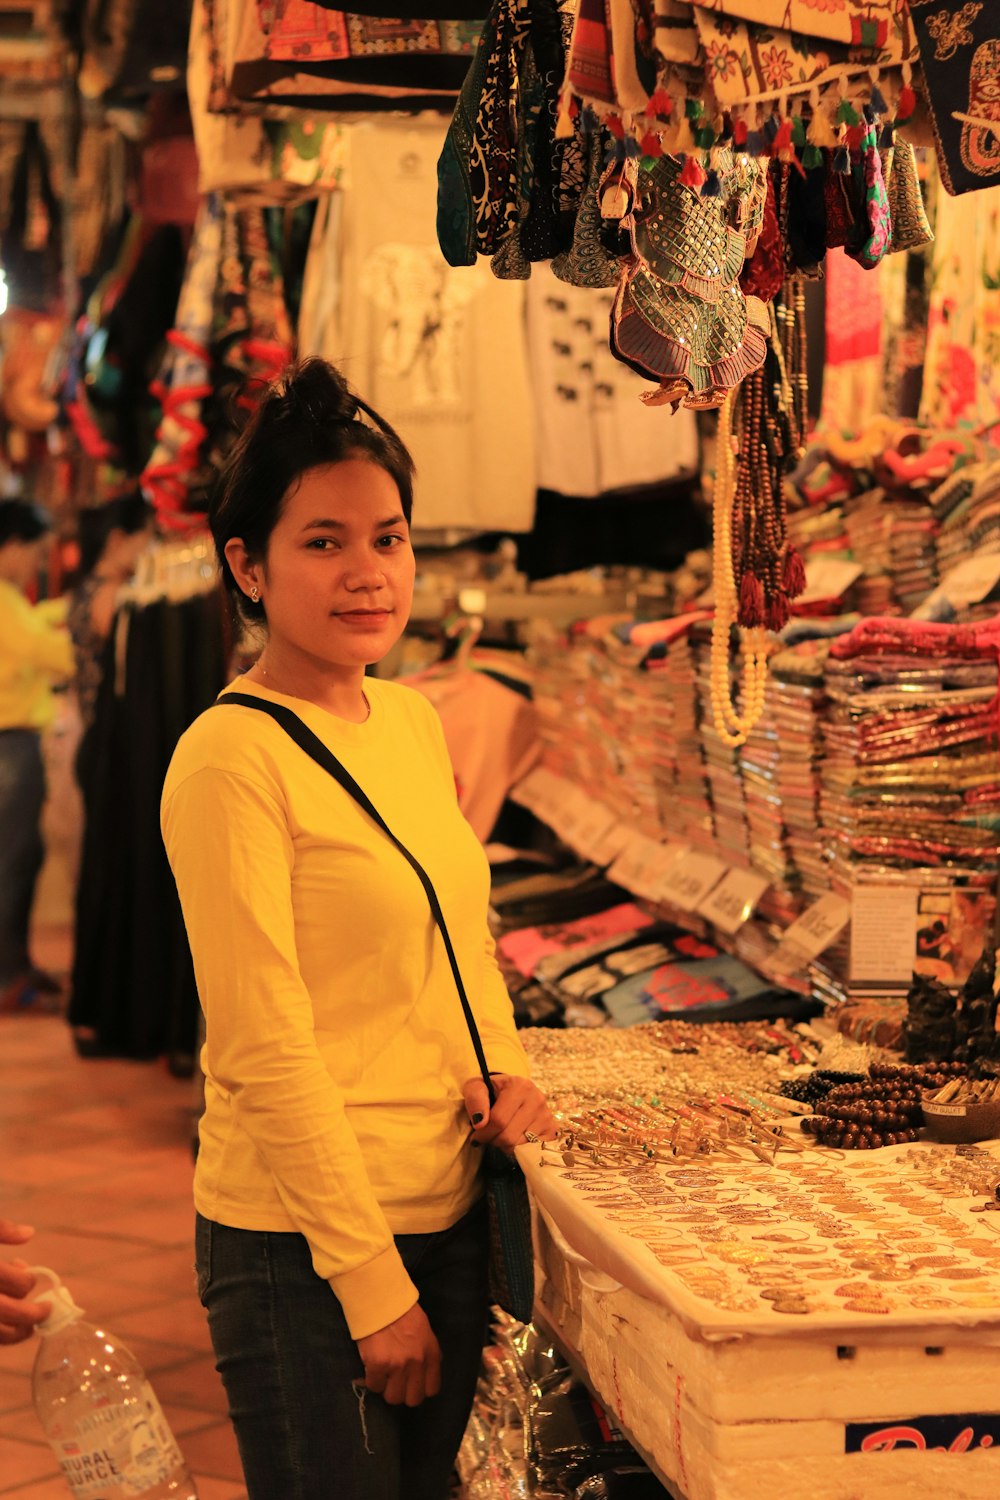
(668, 670)
(910, 788)
(894, 537)
(971, 525)
(795, 699)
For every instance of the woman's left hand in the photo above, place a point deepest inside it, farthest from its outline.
(520, 1111)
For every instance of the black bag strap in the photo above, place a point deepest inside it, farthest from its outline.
(315, 748)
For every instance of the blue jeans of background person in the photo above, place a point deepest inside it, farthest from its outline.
(306, 1429)
(22, 797)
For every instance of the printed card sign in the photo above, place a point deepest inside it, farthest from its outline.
(966, 583)
(883, 934)
(694, 877)
(951, 1434)
(635, 865)
(812, 933)
(733, 900)
(828, 578)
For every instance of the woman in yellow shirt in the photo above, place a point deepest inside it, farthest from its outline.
(341, 1238)
(35, 652)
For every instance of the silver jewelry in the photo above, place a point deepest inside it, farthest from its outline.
(255, 594)
(531, 1137)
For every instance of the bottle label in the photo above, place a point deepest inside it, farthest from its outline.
(120, 1450)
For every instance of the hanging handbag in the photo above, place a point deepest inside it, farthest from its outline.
(512, 1270)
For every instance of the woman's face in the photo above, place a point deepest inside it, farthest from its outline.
(337, 580)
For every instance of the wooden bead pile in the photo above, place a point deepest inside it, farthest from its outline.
(884, 1110)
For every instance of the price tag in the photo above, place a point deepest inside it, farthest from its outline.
(632, 869)
(828, 578)
(592, 821)
(693, 878)
(812, 933)
(611, 844)
(664, 869)
(733, 900)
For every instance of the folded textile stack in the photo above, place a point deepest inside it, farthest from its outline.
(894, 536)
(909, 781)
(669, 669)
(795, 699)
(971, 522)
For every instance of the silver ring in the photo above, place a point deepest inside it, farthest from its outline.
(531, 1137)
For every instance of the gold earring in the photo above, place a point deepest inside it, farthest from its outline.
(255, 594)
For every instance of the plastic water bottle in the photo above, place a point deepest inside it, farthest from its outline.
(99, 1411)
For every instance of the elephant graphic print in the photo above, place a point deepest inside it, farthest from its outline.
(440, 351)
(426, 306)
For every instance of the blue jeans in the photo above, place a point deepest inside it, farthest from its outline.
(22, 796)
(306, 1429)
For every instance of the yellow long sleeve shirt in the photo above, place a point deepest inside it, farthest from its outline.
(336, 1045)
(34, 653)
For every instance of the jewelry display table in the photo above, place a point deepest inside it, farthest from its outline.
(825, 1327)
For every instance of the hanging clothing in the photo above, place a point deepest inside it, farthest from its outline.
(593, 434)
(132, 982)
(961, 370)
(439, 351)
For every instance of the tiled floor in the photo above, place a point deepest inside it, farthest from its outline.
(96, 1155)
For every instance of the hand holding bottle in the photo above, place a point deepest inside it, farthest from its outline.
(18, 1316)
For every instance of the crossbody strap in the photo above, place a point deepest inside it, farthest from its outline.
(315, 748)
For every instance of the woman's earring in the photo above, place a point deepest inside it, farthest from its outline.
(255, 594)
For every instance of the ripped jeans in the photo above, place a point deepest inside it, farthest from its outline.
(289, 1365)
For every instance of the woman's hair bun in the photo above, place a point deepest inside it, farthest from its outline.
(317, 391)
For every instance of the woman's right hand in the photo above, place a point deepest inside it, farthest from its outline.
(403, 1361)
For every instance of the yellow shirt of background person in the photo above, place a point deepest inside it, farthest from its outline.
(35, 652)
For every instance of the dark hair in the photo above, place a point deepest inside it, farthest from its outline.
(306, 418)
(128, 513)
(23, 521)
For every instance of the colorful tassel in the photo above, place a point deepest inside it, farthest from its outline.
(616, 127)
(793, 576)
(694, 109)
(842, 160)
(778, 612)
(660, 104)
(704, 137)
(693, 174)
(781, 140)
(711, 187)
(812, 157)
(905, 106)
(887, 139)
(652, 146)
(757, 144)
(726, 134)
(821, 132)
(798, 132)
(741, 132)
(751, 605)
(771, 129)
(877, 101)
(632, 148)
(853, 136)
(847, 114)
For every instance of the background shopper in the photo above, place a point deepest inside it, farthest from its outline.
(35, 652)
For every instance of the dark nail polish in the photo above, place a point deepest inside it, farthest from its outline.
(477, 1119)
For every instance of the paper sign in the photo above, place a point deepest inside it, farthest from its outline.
(828, 578)
(812, 933)
(664, 869)
(883, 934)
(692, 880)
(611, 844)
(592, 828)
(732, 901)
(966, 583)
(636, 864)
